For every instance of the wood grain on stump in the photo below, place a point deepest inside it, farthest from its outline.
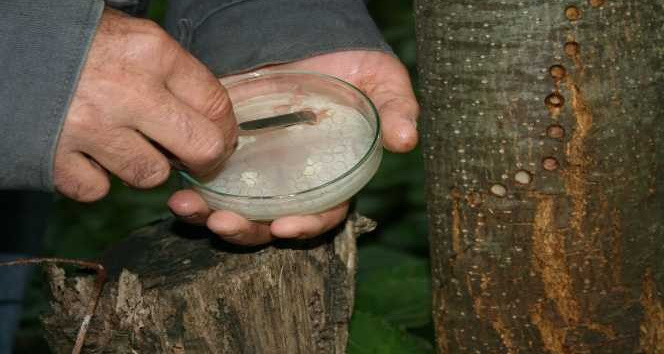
(177, 289)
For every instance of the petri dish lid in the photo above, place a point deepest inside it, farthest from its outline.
(298, 160)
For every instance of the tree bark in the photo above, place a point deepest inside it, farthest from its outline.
(176, 289)
(543, 151)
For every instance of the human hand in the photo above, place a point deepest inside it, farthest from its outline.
(138, 85)
(385, 80)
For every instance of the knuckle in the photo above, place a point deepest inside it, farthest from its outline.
(74, 187)
(82, 117)
(211, 149)
(95, 191)
(152, 39)
(203, 142)
(202, 145)
(218, 105)
(145, 172)
(149, 27)
(183, 125)
(220, 112)
(162, 40)
(87, 126)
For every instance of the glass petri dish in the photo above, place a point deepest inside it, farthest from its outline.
(300, 169)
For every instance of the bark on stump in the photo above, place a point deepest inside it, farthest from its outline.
(544, 150)
(176, 289)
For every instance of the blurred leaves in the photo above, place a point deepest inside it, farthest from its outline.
(370, 334)
(157, 10)
(398, 292)
(399, 169)
(409, 234)
(397, 186)
(83, 230)
(396, 20)
(393, 295)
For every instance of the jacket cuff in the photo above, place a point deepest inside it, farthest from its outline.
(242, 35)
(42, 51)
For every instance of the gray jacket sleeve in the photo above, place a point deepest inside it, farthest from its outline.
(230, 36)
(43, 44)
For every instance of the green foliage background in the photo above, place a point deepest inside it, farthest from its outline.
(393, 304)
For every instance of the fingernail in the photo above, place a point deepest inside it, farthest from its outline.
(189, 217)
(231, 237)
(293, 236)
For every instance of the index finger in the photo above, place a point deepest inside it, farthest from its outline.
(196, 86)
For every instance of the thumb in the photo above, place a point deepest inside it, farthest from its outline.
(398, 116)
(391, 91)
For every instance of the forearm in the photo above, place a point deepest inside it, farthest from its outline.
(234, 36)
(42, 50)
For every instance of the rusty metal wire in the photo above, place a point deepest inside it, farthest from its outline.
(100, 280)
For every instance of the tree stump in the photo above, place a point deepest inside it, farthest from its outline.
(178, 289)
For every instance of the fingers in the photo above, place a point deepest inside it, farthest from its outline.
(136, 77)
(189, 206)
(127, 154)
(235, 229)
(79, 178)
(183, 131)
(308, 226)
(192, 83)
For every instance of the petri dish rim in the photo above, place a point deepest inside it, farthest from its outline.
(365, 157)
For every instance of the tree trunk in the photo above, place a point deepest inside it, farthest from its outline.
(544, 156)
(172, 290)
